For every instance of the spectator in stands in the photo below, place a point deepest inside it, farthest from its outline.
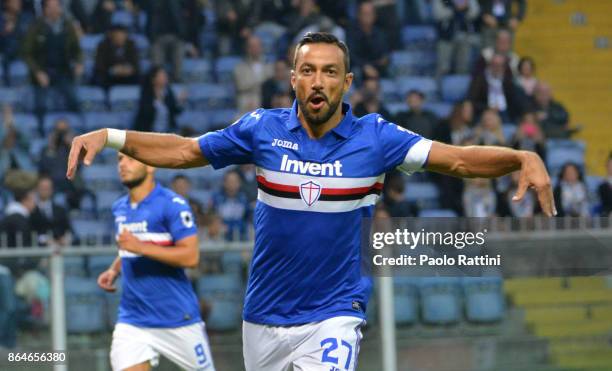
(192, 16)
(49, 220)
(117, 60)
(214, 229)
(524, 208)
(14, 145)
(495, 89)
(370, 100)
(526, 78)
(53, 163)
(52, 52)
(498, 14)
(552, 116)
(479, 198)
(489, 131)
(529, 136)
(322, 24)
(249, 76)
(305, 13)
(16, 223)
(232, 25)
(279, 83)
(233, 207)
(503, 46)
(166, 31)
(456, 129)
(571, 196)
(158, 107)
(417, 119)
(394, 199)
(103, 15)
(14, 23)
(181, 184)
(457, 36)
(605, 190)
(368, 44)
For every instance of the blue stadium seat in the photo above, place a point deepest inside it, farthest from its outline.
(101, 176)
(92, 98)
(388, 89)
(112, 300)
(562, 151)
(89, 44)
(74, 266)
(406, 300)
(124, 97)
(37, 145)
(419, 36)
(484, 298)
(15, 97)
(403, 63)
(122, 17)
(509, 131)
(440, 300)
(395, 108)
(19, 74)
(196, 70)
(198, 120)
(202, 195)
(74, 120)
(225, 68)
(223, 118)
(8, 309)
(98, 120)
(437, 213)
(231, 262)
(26, 123)
(106, 199)
(142, 43)
(210, 96)
(425, 85)
(223, 292)
(84, 306)
(455, 87)
(91, 231)
(440, 109)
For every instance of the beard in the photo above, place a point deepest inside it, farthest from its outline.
(132, 183)
(324, 114)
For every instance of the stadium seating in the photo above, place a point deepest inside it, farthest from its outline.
(223, 118)
(440, 109)
(196, 70)
(26, 123)
(404, 63)
(98, 264)
(223, 292)
(112, 300)
(560, 152)
(98, 120)
(389, 92)
(210, 96)
(19, 74)
(440, 300)
(197, 120)
(406, 300)
(437, 213)
(18, 98)
(124, 97)
(142, 43)
(101, 176)
(74, 266)
(89, 44)
(419, 36)
(90, 232)
(484, 301)
(425, 194)
(455, 87)
(225, 68)
(92, 98)
(84, 306)
(425, 85)
(74, 120)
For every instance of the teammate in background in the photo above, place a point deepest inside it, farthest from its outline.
(320, 171)
(159, 312)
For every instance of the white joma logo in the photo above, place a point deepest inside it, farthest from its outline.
(312, 168)
(284, 144)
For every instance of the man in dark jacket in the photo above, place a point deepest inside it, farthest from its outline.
(49, 220)
(52, 52)
(117, 60)
(368, 44)
(16, 223)
(417, 119)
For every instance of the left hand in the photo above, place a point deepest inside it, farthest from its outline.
(533, 174)
(128, 242)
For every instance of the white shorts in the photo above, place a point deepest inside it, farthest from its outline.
(186, 346)
(330, 345)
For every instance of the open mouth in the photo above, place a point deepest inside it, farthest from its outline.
(317, 102)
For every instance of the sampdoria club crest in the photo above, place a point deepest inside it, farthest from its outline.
(310, 192)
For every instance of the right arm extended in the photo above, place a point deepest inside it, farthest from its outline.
(158, 150)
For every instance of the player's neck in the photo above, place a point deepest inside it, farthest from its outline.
(318, 131)
(141, 191)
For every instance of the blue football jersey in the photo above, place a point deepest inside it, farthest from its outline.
(312, 198)
(155, 294)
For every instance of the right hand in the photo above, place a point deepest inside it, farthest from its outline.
(106, 280)
(84, 148)
(42, 78)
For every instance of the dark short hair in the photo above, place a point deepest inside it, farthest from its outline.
(325, 38)
(417, 92)
(180, 177)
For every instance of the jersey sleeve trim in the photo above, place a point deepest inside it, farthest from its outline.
(416, 157)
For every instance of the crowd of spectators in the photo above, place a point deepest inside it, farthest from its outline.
(474, 38)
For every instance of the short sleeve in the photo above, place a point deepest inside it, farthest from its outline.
(402, 148)
(232, 145)
(179, 218)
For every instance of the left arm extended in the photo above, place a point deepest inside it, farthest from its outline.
(184, 254)
(492, 162)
